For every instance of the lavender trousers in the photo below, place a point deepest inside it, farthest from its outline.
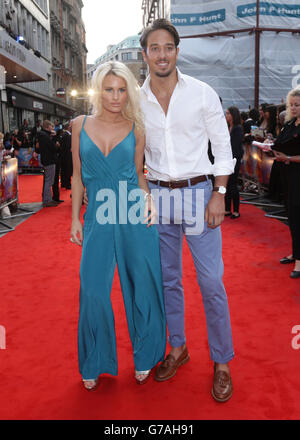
(206, 248)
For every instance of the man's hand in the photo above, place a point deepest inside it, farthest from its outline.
(215, 210)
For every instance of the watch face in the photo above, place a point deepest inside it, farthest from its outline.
(222, 189)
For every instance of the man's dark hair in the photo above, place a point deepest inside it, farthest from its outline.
(160, 23)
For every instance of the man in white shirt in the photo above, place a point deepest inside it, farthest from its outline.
(181, 115)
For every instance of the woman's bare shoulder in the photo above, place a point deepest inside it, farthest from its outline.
(77, 122)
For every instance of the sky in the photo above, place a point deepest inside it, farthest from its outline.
(109, 22)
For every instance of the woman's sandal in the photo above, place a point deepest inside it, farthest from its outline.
(145, 373)
(90, 384)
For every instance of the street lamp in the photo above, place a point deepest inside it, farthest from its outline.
(74, 93)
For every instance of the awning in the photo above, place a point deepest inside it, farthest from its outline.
(21, 64)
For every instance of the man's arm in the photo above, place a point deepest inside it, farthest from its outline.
(218, 133)
(215, 209)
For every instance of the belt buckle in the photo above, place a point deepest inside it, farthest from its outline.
(170, 184)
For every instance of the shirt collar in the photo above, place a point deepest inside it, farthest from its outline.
(147, 89)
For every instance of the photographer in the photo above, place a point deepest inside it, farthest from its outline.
(16, 142)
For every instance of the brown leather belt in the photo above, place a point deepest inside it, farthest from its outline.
(180, 183)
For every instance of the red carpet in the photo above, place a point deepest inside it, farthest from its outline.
(39, 376)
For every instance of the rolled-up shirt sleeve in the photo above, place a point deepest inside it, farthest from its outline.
(218, 133)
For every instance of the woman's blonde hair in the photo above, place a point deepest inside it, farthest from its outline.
(132, 111)
(292, 93)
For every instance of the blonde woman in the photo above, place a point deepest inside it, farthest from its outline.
(108, 153)
(287, 146)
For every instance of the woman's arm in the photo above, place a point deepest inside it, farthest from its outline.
(139, 159)
(77, 185)
(281, 157)
(150, 211)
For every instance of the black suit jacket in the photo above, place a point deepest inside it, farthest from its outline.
(47, 148)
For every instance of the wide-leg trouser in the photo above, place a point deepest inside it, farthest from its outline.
(135, 248)
(206, 249)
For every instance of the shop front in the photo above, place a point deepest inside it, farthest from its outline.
(19, 65)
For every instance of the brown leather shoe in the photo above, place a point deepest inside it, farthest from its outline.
(222, 387)
(168, 367)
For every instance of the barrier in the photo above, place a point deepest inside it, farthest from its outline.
(28, 161)
(255, 172)
(8, 182)
(9, 191)
(256, 165)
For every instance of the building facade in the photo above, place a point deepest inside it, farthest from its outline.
(154, 9)
(29, 87)
(128, 52)
(68, 53)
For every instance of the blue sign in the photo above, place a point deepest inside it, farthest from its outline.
(198, 19)
(274, 9)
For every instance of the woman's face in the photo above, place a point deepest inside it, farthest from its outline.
(267, 115)
(114, 93)
(295, 106)
(228, 117)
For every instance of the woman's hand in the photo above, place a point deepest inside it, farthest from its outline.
(150, 212)
(76, 232)
(280, 157)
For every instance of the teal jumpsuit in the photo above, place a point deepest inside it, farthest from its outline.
(109, 239)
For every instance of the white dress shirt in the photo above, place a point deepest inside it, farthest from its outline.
(177, 142)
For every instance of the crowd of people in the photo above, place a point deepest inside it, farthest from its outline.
(26, 136)
(52, 141)
(277, 126)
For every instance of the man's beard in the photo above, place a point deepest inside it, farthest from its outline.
(164, 74)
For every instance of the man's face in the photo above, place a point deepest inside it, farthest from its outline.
(161, 53)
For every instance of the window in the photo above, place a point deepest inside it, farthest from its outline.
(39, 37)
(65, 19)
(126, 56)
(43, 5)
(67, 58)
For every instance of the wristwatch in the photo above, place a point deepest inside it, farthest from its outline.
(220, 189)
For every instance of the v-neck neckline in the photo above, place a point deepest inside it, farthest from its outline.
(98, 148)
